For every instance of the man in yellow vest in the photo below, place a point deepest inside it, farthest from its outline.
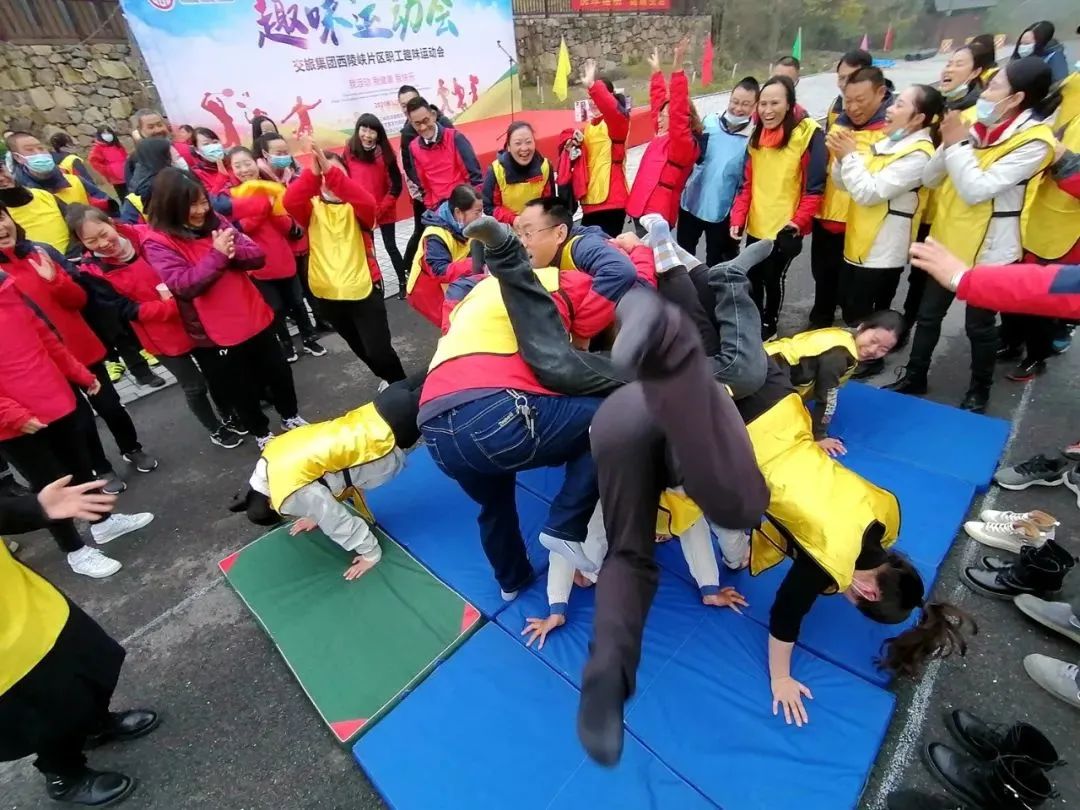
(36, 168)
(307, 472)
(37, 212)
(58, 668)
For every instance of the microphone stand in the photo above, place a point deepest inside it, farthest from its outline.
(513, 64)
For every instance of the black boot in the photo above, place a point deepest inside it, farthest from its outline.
(124, 726)
(988, 741)
(1033, 575)
(913, 383)
(916, 800)
(976, 400)
(1007, 783)
(1050, 550)
(90, 788)
(600, 716)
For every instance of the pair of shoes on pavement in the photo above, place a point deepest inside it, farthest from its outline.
(1060, 678)
(139, 459)
(92, 788)
(291, 423)
(1038, 571)
(310, 345)
(995, 767)
(90, 561)
(1043, 471)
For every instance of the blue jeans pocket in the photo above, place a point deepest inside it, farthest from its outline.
(506, 442)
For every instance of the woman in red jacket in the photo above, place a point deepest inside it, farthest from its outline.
(371, 162)
(113, 253)
(339, 215)
(204, 262)
(208, 161)
(108, 157)
(258, 209)
(603, 150)
(671, 155)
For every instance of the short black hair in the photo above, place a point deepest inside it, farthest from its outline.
(463, 197)
(264, 140)
(415, 104)
(557, 212)
(749, 83)
(407, 88)
(868, 74)
(789, 61)
(857, 58)
(888, 319)
(206, 132)
(77, 214)
(60, 141)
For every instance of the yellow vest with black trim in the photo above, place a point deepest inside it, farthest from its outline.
(32, 614)
(865, 221)
(516, 196)
(75, 191)
(338, 264)
(775, 182)
(458, 250)
(137, 202)
(676, 513)
(933, 195)
(814, 343)
(836, 204)
(305, 454)
(597, 144)
(566, 257)
(67, 165)
(1069, 109)
(1051, 223)
(42, 220)
(962, 228)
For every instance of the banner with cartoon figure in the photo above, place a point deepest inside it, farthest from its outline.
(313, 66)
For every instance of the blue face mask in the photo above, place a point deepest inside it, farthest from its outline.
(281, 161)
(212, 152)
(986, 111)
(40, 164)
(899, 135)
(736, 120)
(1025, 50)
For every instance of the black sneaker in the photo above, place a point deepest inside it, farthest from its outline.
(149, 380)
(224, 437)
(313, 347)
(114, 484)
(290, 353)
(1027, 370)
(234, 424)
(143, 462)
(976, 400)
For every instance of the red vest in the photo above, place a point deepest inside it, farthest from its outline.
(439, 167)
(659, 182)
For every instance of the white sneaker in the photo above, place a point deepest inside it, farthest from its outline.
(262, 441)
(1008, 535)
(117, 525)
(294, 422)
(1056, 677)
(90, 562)
(1045, 523)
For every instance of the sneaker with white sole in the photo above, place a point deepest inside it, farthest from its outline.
(508, 596)
(1046, 523)
(1008, 535)
(1072, 483)
(1056, 677)
(313, 347)
(223, 437)
(1038, 471)
(114, 484)
(90, 562)
(1056, 616)
(142, 461)
(262, 441)
(117, 525)
(233, 424)
(294, 422)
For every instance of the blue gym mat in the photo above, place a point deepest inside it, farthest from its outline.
(709, 717)
(430, 515)
(493, 727)
(543, 482)
(925, 434)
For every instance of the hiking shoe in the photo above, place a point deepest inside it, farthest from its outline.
(290, 353)
(90, 562)
(115, 370)
(1038, 471)
(223, 437)
(234, 424)
(149, 358)
(143, 462)
(1056, 616)
(1072, 482)
(1056, 677)
(1008, 535)
(294, 422)
(117, 525)
(1027, 370)
(313, 347)
(114, 484)
(262, 441)
(1046, 524)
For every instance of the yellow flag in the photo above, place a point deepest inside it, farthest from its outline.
(562, 72)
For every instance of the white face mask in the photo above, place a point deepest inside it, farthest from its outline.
(1025, 50)
(107, 137)
(959, 91)
(735, 120)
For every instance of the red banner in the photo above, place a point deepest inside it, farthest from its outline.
(619, 5)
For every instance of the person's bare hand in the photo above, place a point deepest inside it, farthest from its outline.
(538, 629)
(939, 262)
(304, 524)
(224, 241)
(60, 501)
(654, 60)
(834, 447)
(727, 597)
(94, 388)
(359, 567)
(42, 264)
(680, 52)
(32, 425)
(736, 232)
(588, 73)
(788, 693)
(840, 142)
(627, 241)
(953, 128)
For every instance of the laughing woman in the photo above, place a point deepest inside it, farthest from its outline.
(519, 175)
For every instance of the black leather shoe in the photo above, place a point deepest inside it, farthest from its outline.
(1038, 577)
(600, 717)
(124, 726)
(91, 788)
(909, 384)
(988, 741)
(1007, 783)
(978, 397)
(1050, 550)
(916, 800)
(868, 369)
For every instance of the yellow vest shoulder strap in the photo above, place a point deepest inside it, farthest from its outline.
(566, 260)
(812, 343)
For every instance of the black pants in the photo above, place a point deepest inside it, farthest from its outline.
(1034, 334)
(389, 239)
(916, 285)
(106, 404)
(719, 246)
(364, 327)
(58, 449)
(867, 290)
(826, 266)
(195, 388)
(125, 346)
(244, 371)
(767, 282)
(65, 698)
(610, 222)
(980, 325)
(286, 298)
(418, 210)
(309, 296)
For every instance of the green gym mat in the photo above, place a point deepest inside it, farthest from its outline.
(358, 647)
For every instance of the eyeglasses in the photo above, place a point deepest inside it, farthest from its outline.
(528, 235)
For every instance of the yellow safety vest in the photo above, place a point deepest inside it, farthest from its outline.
(516, 196)
(962, 228)
(598, 151)
(988, 74)
(42, 220)
(865, 221)
(458, 250)
(266, 188)
(75, 191)
(67, 165)
(32, 614)
(136, 201)
(776, 186)
(566, 257)
(1069, 109)
(933, 195)
(676, 513)
(836, 204)
(305, 454)
(1051, 223)
(338, 267)
(814, 343)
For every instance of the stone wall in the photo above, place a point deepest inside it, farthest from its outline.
(76, 88)
(611, 39)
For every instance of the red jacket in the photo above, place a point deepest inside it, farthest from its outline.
(382, 181)
(218, 303)
(270, 232)
(61, 300)
(1027, 289)
(669, 158)
(108, 160)
(618, 125)
(35, 367)
(158, 327)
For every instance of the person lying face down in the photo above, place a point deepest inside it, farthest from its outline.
(308, 472)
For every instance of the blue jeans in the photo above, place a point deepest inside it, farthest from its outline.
(484, 443)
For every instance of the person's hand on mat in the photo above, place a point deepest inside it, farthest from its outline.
(83, 501)
(359, 567)
(834, 447)
(727, 597)
(304, 524)
(788, 692)
(941, 264)
(582, 581)
(94, 388)
(539, 629)
(33, 424)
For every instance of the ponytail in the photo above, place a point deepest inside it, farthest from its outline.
(938, 634)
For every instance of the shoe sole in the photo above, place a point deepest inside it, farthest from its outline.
(1070, 701)
(115, 491)
(937, 773)
(125, 532)
(1073, 488)
(314, 353)
(1041, 482)
(1073, 635)
(116, 570)
(292, 359)
(563, 549)
(220, 443)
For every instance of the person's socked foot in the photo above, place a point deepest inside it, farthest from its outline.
(750, 257)
(490, 232)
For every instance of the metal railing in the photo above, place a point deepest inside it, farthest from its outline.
(61, 21)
